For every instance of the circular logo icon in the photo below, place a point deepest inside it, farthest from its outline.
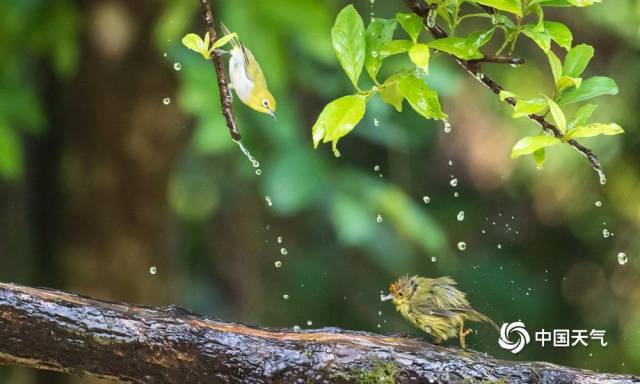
(514, 337)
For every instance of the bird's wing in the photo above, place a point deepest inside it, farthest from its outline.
(235, 42)
(445, 295)
(254, 72)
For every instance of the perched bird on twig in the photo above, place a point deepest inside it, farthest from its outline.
(434, 306)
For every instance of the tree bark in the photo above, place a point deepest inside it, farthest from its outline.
(53, 330)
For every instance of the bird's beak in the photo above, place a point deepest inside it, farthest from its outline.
(273, 114)
(385, 298)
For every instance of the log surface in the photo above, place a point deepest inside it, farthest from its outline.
(53, 330)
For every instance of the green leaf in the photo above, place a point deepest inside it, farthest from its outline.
(582, 116)
(422, 99)
(595, 129)
(457, 46)
(566, 81)
(503, 95)
(480, 38)
(556, 66)
(590, 88)
(577, 60)
(395, 47)
(565, 3)
(528, 107)
(410, 23)
(195, 43)
(379, 32)
(560, 33)
(584, 3)
(222, 41)
(530, 144)
(348, 37)
(390, 94)
(513, 6)
(337, 119)
(539, 156)
(542, 39)
(419, 55)
(558, 115)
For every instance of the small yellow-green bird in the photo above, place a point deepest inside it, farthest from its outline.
(434, 306)
(248, 79)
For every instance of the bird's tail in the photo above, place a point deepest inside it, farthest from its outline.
(477, 316)
(235, 42)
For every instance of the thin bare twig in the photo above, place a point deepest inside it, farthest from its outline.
(499, 60)
(226, 100)
(475, 69)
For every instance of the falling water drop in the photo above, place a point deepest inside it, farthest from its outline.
(453, 182)
(379, 218)
(434, 259)
(309, 323)
(285, 296)
(622, 258)
(601, 175)
(177, 66)
(284, 251)
(460, 216)
(279, 239)
(278, 264)
(296, 328)
(376, 168)
(376, 122)
(268, 200)
(598, 203)
(153, 270)
(246, 152)
(426, 199)
(447, 126)
(258, 172)
(462, 245)
(166, 101)
(606, 233)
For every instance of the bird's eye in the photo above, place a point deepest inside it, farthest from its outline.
(265, 103)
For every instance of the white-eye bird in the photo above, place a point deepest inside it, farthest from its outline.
(247, 78)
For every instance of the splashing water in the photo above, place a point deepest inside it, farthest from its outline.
(601, 175)
(255, 163)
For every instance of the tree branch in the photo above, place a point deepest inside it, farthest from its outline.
(475, 69)
(226, 100)
(52, 330)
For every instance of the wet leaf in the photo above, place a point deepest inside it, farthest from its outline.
(513, 6)
(582, 116)
(556, 66)
(349, 43)
(411, 23)
(419, 55)
(528, 107)
(390, 93)
(395, 47)
(541, 38)
(457, 46)
(422, 99)
(558, 115)
(337, 119)
(590, 88)
(530, 144)
(577, 60)
(560, 33)
(595, 129)
(379, 32)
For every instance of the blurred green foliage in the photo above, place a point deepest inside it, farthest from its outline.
(535, 248)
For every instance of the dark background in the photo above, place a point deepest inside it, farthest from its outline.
(101, 181)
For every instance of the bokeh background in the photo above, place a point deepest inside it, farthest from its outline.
(102, 181)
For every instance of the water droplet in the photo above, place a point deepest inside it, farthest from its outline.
(258, 172)
(379, 218)
(309, 323)
(279, 239)
(456, 194)
(462, 245)
(153, 270)
(434, 259)
(379, 326)
(374, 54)
(376, 122)
(622, 258)
(499, 246)
(431, 18)
(177, 66)
(426, 199)
(296, 328)
(268, 200)
(447, 126)
(376, 168)
(278, 264)
(166, 101)
(603, 178)
(283, 251)
(460, 216)
(453, 182)
(379, 313)
(285, 296)
(598, 203)
(605, 233)
(164, 54)
(451, 162)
